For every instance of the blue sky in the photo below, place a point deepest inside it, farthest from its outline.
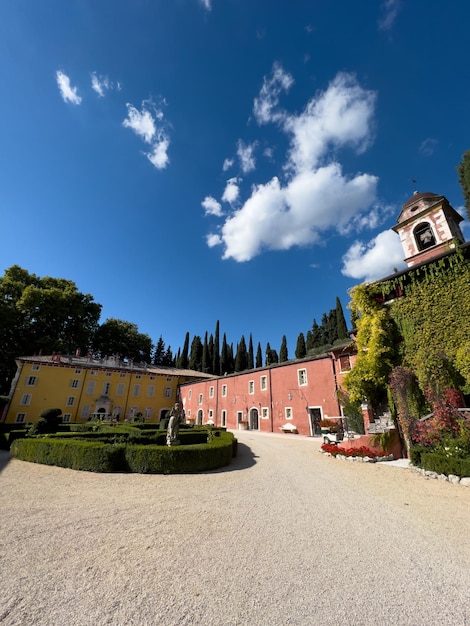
(188, 161)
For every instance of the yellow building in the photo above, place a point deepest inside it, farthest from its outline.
(86, 388)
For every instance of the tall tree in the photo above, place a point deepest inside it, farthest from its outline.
(210, 355)
(259, 356)
(216, 353)
(205, 355)
(283, 354)
(168, 359)
(316, 335)
(332, 327)
(120, 337)
(183, 362)
(325, 338)
(341, 321)
(224, 357)
(241, 359)
(464, 178)
(195, 356)
(251, 356)
(159, 354)
(309, 341)
(300, 350)
(271, 355)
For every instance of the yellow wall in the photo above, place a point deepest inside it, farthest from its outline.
(54, 386)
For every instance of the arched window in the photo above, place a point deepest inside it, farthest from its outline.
(424, 236)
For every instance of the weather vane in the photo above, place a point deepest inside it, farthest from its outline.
(413, 180)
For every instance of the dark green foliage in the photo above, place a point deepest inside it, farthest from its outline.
(195, 356)
(415, 452)
(300, 350)
(271, 355)
(283, 354)
(183, 363)
(259, 356)
(102, 456)
(216, 353)
(241, 359)
(342, 329)
(159, 354)
(251, 355)
(464, 178)
(116, 336)
(206, 364)
(443, 464)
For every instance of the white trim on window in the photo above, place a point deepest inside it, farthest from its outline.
(302, 377)
(263, 383)
(20, 418)
(31, 381)
(26, 399)
(251, 387)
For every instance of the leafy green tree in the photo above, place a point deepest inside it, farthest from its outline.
(300, 350)
(42, 315)
(120, 337)
(341, 321)
(464, 178)
(168, 359)
(271, 355)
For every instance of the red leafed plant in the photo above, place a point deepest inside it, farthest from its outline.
(363, 451)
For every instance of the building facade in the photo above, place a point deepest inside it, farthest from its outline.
(85, 388)
(294, 395)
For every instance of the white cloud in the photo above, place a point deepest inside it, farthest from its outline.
(316, 196)
(141, 122)
(227, 164)
(213, 240)
(390, 10)
(268, 98)
(211, 206)
(68, 93)
(374, 260)
(206, 4)
(159, 155)
(100, 84)
(149, 126)
(231, 191)
(341, 115)
(245, 156)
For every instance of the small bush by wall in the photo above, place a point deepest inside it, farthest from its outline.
(442, 464)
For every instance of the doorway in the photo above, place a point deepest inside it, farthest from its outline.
(253, 423)
(315, 416)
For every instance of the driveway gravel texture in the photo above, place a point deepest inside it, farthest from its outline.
(284, 536)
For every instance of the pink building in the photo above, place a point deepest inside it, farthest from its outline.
(295, 394)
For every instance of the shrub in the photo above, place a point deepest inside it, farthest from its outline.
(363, 451)
(443, 464)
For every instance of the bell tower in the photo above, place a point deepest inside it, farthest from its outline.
(427, 227)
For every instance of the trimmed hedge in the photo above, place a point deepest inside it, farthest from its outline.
(442, 464)
(98, 456)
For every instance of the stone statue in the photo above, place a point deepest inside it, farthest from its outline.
(173, 426)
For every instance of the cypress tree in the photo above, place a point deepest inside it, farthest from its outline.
(216, 354)
(259, 356)
(210, 355)
(159, 352)
(205, 355)
(241, 359)
(332, 327)
(224, 357)
(324, 330)
(309, 341)
(340, 321)
(168, 358)
(184, 361)
(283, 354)
(300, 350)
(316, 335)
(251, 356)
(195, 357)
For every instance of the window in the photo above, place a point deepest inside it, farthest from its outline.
(302, 375)
(122, 375)
(85, 414)
(189, 413)
(251, 386)
(190, 394)
(93, 372)
(199, 400)
(263, 383)
(264, 413)
(168, 392)
(138, 377)
(135, 391)
(150, 391)
(106, 387)
(224, 391)
(78, 371)
(169, 379)
(223, 418)
(26, 399)
(152, 377)
(90, 388)
(66, 418)
(75, 383)
(211, 415)
(132, 411)
(109, 374)
(120, 389)
(239, 416)
(424, 236)
(31, 381)
(345, 363)
(20, 418)
(70, 401)
(211, 392)
(288, 413)
(34, 368)
(148, 412)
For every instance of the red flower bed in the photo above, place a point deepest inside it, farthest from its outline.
(362, 451)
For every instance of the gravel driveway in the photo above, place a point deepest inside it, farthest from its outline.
(283, 536)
